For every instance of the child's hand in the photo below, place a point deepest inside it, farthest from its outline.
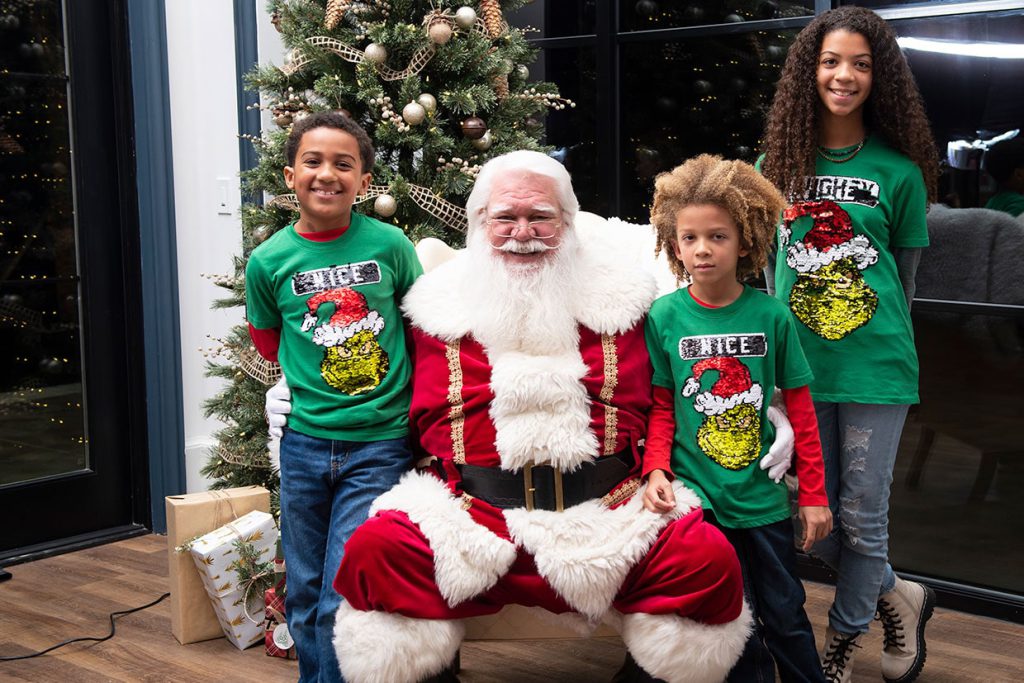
(659, 496)
(817, 523)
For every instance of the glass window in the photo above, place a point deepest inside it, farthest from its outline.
(42, 430)
(683, 98)
(643, 15)
(573, 131)
(556, 18)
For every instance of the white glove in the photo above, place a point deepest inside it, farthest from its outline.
(780, 455)
(279, 404)
(274, 446)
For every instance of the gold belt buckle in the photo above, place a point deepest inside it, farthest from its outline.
(529, 490)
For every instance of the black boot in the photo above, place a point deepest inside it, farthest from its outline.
(631, 672)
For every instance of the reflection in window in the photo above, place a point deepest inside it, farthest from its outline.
(556, 18)
(688, 97)
(41, 418)
(643, 15)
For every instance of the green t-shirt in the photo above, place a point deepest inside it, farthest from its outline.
(722, 428)
(1008, 202)
(342, 336)
(836, 270)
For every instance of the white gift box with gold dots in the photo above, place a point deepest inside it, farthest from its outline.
(213, 555)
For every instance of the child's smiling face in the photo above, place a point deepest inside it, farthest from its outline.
(326, 178)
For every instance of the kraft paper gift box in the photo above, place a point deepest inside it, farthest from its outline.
(192, 616)
(233, 601)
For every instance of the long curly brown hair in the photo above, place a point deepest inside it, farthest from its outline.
(751, 200)
(893, 109)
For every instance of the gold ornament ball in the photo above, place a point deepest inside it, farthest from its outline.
(465, 17)
(376, 53)
(414, 113)
(474, 128)
(440, 32)
(428, 101)
(483, 143)
(385, 205)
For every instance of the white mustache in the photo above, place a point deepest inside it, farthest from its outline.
(529, 247)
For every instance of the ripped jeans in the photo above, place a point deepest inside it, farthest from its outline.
(859, 443)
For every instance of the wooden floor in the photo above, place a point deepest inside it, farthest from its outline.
(71, 595)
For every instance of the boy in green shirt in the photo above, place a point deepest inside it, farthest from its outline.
(323, 294)
(716, 220)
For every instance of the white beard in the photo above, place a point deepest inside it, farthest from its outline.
(523, 307)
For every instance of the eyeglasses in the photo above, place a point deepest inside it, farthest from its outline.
(542, 229)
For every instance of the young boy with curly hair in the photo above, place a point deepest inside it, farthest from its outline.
(716, 220)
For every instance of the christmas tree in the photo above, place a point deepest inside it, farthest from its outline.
(441, 87)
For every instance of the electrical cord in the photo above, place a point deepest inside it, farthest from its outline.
(84, 638)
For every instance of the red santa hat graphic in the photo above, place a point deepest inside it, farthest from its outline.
(732, 387)
(351, 315)
(830, 240)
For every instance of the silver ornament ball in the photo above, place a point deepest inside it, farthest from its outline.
(428, 102)
(523, 72)
(385, 205)
(376, 53)
(414, 113)
(465, 17)
(440, 32)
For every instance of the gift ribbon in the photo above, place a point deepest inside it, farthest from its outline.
(249, 585)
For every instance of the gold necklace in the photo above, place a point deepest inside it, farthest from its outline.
(843, 155)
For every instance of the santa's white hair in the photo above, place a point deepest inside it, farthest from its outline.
(524, 162)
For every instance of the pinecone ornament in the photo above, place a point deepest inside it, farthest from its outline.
(500, 85)
(493, 21)
(333, 12)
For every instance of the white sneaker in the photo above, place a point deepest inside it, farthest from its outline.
(837, 657)
(904, 611)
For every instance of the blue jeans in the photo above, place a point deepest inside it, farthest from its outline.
(859, 442)
(326, 490)
(776, 596)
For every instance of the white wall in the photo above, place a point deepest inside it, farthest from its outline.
(204, 129)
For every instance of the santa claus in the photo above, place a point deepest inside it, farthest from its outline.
(531, 390)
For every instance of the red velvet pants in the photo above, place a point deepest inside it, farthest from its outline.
(691, 570)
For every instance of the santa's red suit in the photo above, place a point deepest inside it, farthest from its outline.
(435, 550)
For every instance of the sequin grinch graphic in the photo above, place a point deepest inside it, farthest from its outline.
(830, 295)
(354, 362)
(731, 432)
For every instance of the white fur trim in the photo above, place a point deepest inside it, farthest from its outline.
(619, 288)
(806, 259)
(333, 335)
(378, 647)
(586, 551)
(680, 650)
(541, 411)
(709, 404)
(468, 558)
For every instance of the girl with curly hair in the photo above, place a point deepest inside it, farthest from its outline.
(848, 143)
(718, 348)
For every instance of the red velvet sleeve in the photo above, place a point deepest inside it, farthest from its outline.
(661, 431)
(810, 468)
(266, 341)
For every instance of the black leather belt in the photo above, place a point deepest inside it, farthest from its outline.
(542, 487)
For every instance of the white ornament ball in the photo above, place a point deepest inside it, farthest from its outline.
(414, 113)
(483, 143)
(376, 53)
(385, 205)
(465, 17)
(428, 101)
(440, 32)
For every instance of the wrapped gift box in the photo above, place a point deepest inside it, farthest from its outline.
(188, 516)
(277, 640)
(214, 553)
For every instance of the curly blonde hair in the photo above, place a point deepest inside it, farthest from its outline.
(751, 200)
(894, 109)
